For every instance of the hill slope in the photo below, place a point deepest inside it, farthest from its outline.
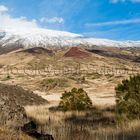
(12, 100)
(77, 52)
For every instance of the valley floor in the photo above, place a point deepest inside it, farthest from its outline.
(97, 75)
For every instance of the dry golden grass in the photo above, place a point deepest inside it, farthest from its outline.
(82, 125)
(64, 125)
(6, 134)
(43, 115)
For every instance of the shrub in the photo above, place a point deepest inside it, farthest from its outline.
(76, 99)
(48, 84)
(8, 77)
(128, 98)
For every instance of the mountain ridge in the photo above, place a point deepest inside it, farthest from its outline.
(51, 38)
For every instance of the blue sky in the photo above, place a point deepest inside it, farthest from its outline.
(112, 19)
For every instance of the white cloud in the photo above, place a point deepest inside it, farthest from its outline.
(136, 1)
(3, 9)
(7, 21)
(119, 22)
(19, 23)
(52, 20)
(117, 1)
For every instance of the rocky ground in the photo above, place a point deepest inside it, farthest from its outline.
(12, 102)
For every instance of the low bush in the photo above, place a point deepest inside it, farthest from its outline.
(76, 99)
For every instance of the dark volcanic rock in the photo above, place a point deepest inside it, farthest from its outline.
(38, 50)
(9, 48)
(137, 60)
(116, 53)
(31, 129)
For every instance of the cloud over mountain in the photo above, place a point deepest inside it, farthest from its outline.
(52, 20)
(7, 21)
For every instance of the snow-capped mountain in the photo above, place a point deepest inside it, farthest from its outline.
(48, 38)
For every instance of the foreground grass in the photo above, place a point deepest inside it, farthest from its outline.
(98, 124)
(6, 134)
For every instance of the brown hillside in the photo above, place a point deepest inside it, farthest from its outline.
(38, 50)
(21, 96)
(77, 52)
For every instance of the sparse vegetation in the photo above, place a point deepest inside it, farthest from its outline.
(76, 99)
(8, 77)
(48, 84)
(128, 98)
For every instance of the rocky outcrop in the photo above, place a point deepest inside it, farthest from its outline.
(31, 129)
(12, 102)
(20, 96)
(11, 114)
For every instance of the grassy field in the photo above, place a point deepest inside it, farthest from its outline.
(6, 134)
(97, 124)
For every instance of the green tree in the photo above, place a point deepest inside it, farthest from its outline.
(76, 99)
(128, 97)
